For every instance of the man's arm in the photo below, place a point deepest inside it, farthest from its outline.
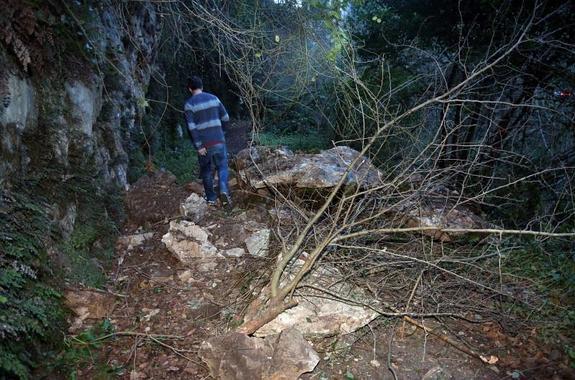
(224, 117)
(192, 128)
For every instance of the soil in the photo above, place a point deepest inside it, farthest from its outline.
(164, 310)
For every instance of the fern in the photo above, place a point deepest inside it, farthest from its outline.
(12, 364)
(26, 31)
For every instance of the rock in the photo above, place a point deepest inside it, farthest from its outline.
(258, 243)
(135, 375)
(186, 276)
(207, 265)
(237, 356)
(161, 276)
(65, 217)
(234, 252)
(135, 240)
(85, 104)
(194, 207)
(149, 313)
(188, 241)
(88, 304)
(319, 316)
(323, 170)
(441, 214)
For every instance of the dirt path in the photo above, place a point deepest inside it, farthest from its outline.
(165, 309)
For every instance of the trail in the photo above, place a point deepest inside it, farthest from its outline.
(162, 309)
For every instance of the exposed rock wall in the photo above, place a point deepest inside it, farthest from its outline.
(80, 111)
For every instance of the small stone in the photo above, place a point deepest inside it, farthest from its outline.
(258, 243)
(234, 252)
(207, 266)
(374, 363)
(194, 207)
(185, 276)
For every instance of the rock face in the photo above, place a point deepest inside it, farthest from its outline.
(59, 119)
(261, 166)
(239, 357)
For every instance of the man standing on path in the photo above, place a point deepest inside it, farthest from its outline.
(207, 119)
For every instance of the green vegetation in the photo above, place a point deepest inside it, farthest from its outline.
(311, 142)
(550, 266)
(30, 311)
(181, 160)
(32, 315)
(81, 351)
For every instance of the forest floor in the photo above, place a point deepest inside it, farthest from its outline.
(162, 310)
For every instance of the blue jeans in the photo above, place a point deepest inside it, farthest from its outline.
(217, 156)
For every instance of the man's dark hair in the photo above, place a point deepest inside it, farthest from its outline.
(195, 83)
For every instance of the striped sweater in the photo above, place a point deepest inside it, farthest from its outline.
(206, 117)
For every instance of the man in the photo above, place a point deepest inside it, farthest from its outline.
(207, 119)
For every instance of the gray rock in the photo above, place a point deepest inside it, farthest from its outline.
(319, 316)
(311, 171)
(258, 243)
(194, 207)
(234, 252)
(22, 108)
(84, 106)
(135, 240)
(237, 356)
(188, 241)
(441, 214)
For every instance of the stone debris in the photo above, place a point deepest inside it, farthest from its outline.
(236, 356)
(194, 208)
(188, 241)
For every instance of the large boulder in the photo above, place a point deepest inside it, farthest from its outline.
(236, 356)
(318, 315)
(260, 167)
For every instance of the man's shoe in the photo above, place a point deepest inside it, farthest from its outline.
(226, 200)
(211, 203)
